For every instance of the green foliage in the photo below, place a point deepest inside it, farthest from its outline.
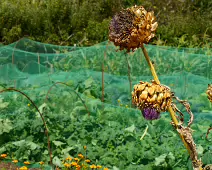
(112, 134)
(86, 22)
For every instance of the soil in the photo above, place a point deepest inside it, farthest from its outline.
(11, 166)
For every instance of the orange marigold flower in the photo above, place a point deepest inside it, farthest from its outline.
(41, 163)
(27, 163)
(74, 164)
(98, 166)
(67, 165)
(80, 155)
(105, 169)
(84, 147)
(78, 167)
(15, 161)
(76, 159)
(87, 160)
(3, 156)
(69, 158)
(93, 166)
(23, 168)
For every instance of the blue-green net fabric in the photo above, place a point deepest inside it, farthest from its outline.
(34, 67)
(27, 64)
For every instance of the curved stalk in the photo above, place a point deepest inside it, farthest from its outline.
(41, 115)
(171, 111)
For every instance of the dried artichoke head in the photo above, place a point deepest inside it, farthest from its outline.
(132, 27)
(151, 99)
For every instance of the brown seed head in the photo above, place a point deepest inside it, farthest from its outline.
(151, 95)
(132, 27)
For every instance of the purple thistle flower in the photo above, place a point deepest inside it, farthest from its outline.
(150, 113)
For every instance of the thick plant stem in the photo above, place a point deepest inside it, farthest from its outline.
(171, 111)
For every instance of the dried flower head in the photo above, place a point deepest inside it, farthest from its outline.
(151, 99)
(132, 27)
(209, 92)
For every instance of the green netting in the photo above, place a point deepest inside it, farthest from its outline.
(34, 67)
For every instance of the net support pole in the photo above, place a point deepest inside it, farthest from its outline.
(39, 63)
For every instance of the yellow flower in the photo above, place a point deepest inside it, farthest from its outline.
(80, 155)
(98, 166)
(69, 158)
(74, 164)
(105, 169)
(27, 163)
(3, 156)
(119, 100)
(41, 163)
(28, 104)
(126, 106)
(15, 161)
(67, 165)
(76, 159)
(87, 160)
(78, 167)
(84, 147)
(93, 166)
(23, 168)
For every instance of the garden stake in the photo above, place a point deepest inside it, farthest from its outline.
(103, 75)
(41, 115)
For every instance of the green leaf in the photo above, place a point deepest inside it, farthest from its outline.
(130, 129)
(5, 126)
(33, 145)
(56, 161)
(3, 104)
(200, 149)
(88, 82)
(66, 150)
(161, 159)
(58, 143)
(19, 143)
